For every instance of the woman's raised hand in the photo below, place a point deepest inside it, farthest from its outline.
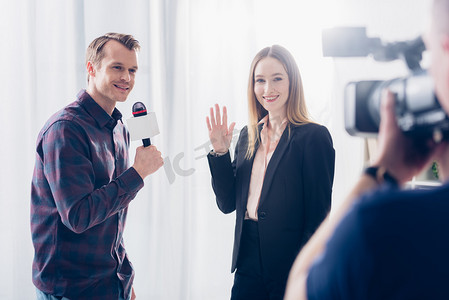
(219, 134)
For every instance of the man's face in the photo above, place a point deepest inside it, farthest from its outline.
(438, 45)
(113, 78)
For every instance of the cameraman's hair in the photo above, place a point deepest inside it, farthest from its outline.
(95, 51)
(440, 15)
(297, 113)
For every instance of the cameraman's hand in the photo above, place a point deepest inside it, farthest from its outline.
(402, 156)
(147, 161)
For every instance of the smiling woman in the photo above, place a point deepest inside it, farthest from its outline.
(281, 175)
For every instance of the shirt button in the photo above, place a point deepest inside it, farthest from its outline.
(262, 215)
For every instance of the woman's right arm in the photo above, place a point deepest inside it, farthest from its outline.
(221, 168)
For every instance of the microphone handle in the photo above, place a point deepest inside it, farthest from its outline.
(146, 142)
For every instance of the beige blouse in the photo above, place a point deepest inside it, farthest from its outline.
(261, 160)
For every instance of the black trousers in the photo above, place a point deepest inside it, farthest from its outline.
(250, 280)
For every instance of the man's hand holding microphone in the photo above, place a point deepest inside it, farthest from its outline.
(143, 126)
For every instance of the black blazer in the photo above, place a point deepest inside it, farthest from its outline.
(295, 196)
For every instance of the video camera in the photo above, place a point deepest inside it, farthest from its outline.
(418, 112)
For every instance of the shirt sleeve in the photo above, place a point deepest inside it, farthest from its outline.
(223, 173)
(343, 270)
(71, 178)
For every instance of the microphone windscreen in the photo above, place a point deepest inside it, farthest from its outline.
(139, 109)
(143, 127)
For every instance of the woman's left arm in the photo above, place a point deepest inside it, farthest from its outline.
(318, 176)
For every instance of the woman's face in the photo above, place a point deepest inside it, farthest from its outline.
(271, 86)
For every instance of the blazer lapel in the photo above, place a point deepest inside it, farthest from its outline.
(274, 162)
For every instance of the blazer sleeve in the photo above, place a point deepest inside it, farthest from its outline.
(224, 177)
(318, 174)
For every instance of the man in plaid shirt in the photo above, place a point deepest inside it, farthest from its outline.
(82, 183)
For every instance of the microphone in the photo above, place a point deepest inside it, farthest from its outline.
(139, 110)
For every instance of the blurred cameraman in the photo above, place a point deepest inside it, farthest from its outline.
(384, 242)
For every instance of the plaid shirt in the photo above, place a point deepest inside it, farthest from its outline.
(80, 192)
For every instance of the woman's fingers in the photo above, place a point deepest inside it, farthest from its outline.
(216, 120)
(208, 124)
(217, 114)
(212, 117)
(225, 117)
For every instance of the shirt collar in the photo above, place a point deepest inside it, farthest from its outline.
(263, 132)
(264, 121)
(102, 118)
